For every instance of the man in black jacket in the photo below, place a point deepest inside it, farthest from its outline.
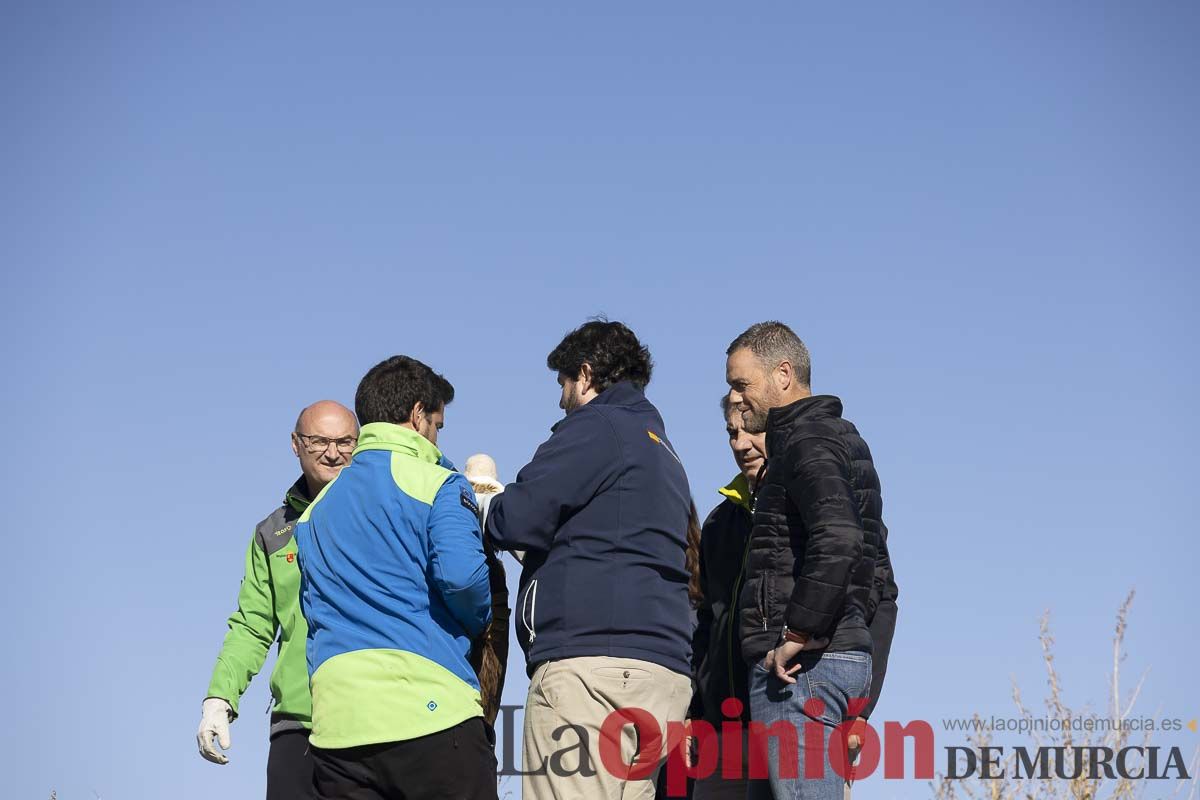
(717, 648)
(817, 568)
(601, 513)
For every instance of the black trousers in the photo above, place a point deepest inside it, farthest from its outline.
(290, 767)
(454, 764)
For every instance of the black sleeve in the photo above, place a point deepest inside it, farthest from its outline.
(883, 626)
(704, 619)
(819, 486)
(883, 583)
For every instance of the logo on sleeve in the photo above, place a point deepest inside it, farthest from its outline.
(658, 439)
(468, 500)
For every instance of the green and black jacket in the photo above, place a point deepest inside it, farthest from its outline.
(269, 610)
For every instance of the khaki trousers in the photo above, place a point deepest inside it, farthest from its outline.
(567, 705)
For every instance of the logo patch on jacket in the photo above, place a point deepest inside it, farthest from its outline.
(658, 439)
(468, 501)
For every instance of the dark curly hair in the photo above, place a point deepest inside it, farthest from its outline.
(609, 348)
(390, 390)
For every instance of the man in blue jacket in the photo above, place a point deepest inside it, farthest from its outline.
(601, 514)
(394, 588)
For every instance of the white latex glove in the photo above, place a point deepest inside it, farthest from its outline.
(214, 721)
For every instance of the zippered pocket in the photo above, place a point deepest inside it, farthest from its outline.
(529, 610)
(762, 601)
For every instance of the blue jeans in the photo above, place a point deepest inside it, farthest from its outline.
(833, 678)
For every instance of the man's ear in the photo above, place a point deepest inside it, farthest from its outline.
(585, 378)
(784, 376)
(295, 444)
(418, 411)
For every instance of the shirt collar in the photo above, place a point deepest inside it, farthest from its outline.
(297, 496)
(737, 490)
(621, 393)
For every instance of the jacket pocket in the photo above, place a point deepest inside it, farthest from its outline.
(762, 601)
(529, 610)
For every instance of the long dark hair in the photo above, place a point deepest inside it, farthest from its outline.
(692, 558)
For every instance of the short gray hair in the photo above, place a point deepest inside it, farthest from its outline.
(773, 343)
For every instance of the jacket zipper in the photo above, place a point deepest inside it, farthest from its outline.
(737, 586)
(762, 592)
(530, 605)
(762, 601)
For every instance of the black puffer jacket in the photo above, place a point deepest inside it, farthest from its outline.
(817, 528)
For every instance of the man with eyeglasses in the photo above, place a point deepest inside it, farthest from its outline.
(269, 607)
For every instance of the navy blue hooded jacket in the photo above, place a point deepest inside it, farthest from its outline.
(601, 513)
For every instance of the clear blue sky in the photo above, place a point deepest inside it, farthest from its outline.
(983, 219)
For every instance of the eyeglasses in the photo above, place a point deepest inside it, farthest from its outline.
(319, 444)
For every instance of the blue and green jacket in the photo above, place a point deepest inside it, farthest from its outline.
(393, 587)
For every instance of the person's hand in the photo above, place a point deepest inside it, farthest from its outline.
(214, 721)
(854, 740)
(778, 660)
(689, 744)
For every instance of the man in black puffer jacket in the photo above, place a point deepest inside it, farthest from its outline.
(810, 587)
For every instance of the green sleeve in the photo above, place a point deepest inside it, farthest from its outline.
(252, 631)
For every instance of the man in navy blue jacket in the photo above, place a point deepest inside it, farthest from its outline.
(601, 513)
